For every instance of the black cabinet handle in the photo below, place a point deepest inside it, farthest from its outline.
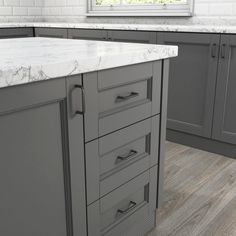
(223, 51)
(214, 50)
(131, 206)
(129, 155)
(76, 111)
(121, 98)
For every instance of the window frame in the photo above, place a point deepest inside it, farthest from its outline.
(141, 10)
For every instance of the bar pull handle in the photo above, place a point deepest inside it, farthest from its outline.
(122, 98)
(131, 206)
(214, 50)
(223, 51)
(77, 111)
(129, 155)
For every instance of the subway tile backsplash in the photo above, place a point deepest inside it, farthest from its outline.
(206, 11)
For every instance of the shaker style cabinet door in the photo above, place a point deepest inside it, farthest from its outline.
(35, 172)
(132, 36)
(224, 126)
(192, 81)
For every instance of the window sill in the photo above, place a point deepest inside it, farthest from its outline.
(141, 14)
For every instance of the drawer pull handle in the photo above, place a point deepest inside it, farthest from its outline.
(129, 155)
(81, 112)
(121, 98)
(223, 51)
(131, 206)
(214, 50)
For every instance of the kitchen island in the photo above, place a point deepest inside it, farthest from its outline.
(82, 132)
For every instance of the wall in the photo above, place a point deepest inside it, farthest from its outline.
(206, 11)
(21, 10)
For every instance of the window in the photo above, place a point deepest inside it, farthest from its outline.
(141, 7)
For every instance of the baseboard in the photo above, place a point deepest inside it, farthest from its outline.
(225, 149)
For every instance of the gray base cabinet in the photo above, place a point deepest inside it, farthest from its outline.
(192, 82)
(78, 159)
(224, 126)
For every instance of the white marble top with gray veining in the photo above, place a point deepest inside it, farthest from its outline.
(230, 29)
(33, 59)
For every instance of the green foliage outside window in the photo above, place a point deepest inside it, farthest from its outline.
(137, 2)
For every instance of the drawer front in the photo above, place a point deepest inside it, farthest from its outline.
(51, 32)
(119, 97)
(87, 34)
(116, 158)
(133, 200)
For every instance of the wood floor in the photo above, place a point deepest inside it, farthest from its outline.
(200, 194)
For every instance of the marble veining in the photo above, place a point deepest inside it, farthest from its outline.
(27, 60)
(201, 28)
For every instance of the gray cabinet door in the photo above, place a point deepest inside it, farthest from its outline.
(224, 126)
(132, 36)
(35, 171)
(87, 34)
(51, 32)
(192, 81)
(16, 32)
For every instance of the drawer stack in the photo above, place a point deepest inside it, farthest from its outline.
(122, 121)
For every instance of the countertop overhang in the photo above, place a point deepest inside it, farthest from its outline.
(196, 28)
(27, 60)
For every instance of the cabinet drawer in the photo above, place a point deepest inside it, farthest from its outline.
(112, 99)
(118, 157)
(87, 34)
(51, 32)
(119, 97)
(134, 200)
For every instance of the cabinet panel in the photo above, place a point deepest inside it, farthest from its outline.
(87, 34)
(132, 36)
(51, 32)
(16, 32)
(224, 128)
(32, 172)
(41, 170)
(192, 81)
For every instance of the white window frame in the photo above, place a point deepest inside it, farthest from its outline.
(141, 10)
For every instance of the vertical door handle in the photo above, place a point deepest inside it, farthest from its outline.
(76, 111)
(214, 50)
(223, 51)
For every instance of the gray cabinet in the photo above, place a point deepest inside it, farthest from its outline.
(41, 168)
(224, 126)
(16, 32)
(88, 34)
(192, 81)
(132, 36)
(51, 32)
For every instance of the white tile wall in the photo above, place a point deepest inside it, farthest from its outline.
(74, 10)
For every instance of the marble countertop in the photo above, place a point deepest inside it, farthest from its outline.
(143, 27)
(27, 60)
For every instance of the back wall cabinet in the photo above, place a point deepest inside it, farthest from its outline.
(192, 81)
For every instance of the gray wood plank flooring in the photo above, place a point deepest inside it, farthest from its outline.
(200, 194)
